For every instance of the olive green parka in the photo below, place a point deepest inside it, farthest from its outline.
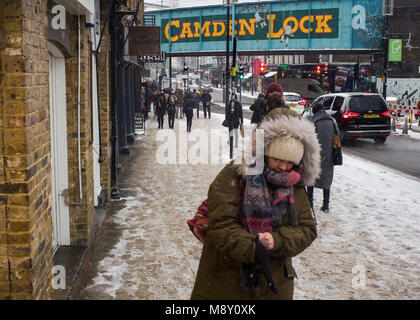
(228, 244)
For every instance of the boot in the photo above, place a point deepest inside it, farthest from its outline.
(326, 202)
(310, 191)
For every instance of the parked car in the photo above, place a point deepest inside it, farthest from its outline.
(206, 85)
(358, 114)
(294, 101)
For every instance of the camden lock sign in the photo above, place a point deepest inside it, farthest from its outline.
(144, 41)
(321, 23)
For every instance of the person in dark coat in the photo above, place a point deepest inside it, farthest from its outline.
(206, 99)
(249, 209)
(171, 110)
(161, 107)
(179, 103)
(324, 125)
(258, 109)
(273, 98)
(189, 105)
(197, 101)
(234, 117)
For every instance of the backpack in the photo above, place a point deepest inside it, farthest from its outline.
(199, 223)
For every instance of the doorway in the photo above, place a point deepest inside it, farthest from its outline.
(59, 167)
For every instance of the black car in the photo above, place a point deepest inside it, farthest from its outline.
(358, 114)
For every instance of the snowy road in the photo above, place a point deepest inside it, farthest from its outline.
(367, 246)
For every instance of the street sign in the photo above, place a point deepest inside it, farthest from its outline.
(257, 65)
(139, 123)
(395, 50)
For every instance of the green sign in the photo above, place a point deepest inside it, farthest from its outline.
(395, 50)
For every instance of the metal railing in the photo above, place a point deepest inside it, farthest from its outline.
(149, 20)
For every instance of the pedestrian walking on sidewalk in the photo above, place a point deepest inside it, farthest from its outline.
(206, 99)
(258, 221)
(258, 108)
(179, 103)
(171, 110)
(234, 118)
(189, 105)
(274, 97)
(153, 101)
(324, 125)
(161, 107)
(197, 101)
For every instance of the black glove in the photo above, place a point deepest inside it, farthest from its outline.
(250, 278)
(263, 259)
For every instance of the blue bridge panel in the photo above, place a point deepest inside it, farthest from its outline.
(275, 25)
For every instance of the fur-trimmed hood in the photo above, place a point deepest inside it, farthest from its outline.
(286, 123)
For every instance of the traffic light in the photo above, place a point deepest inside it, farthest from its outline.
(262, 67)
(241, 73)
(318, 69)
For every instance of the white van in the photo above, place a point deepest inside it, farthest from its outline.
(309, 89)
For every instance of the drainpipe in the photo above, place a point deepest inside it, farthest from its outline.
(78, 111)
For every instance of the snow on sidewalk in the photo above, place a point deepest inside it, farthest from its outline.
(367, 246)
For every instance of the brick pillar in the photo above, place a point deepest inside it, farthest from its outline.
(104, 104)
(81, 209)
(26, 255)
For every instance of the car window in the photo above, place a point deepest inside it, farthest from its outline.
(327, 102)
(338, 102)
(315, 88)
(362, 104)
(318, 100)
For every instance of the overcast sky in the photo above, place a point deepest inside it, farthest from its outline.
(190, 3)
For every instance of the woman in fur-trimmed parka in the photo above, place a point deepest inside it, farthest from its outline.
(260, 219)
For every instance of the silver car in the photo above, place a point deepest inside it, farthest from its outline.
(294, 101)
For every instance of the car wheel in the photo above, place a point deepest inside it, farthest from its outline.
(380, 140)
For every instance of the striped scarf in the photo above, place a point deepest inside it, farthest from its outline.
(261, 214)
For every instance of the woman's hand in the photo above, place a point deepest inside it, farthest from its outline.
(266, 240)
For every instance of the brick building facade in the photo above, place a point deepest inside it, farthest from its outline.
(49, 122)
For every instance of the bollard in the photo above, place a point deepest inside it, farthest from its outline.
(393, 126)
(405, 127)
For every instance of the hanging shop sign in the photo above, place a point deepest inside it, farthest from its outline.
(58, 30)
(158, 58)
(143, 40)
(395, 50)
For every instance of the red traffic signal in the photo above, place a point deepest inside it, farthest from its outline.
(262, 67)
(318, 69)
